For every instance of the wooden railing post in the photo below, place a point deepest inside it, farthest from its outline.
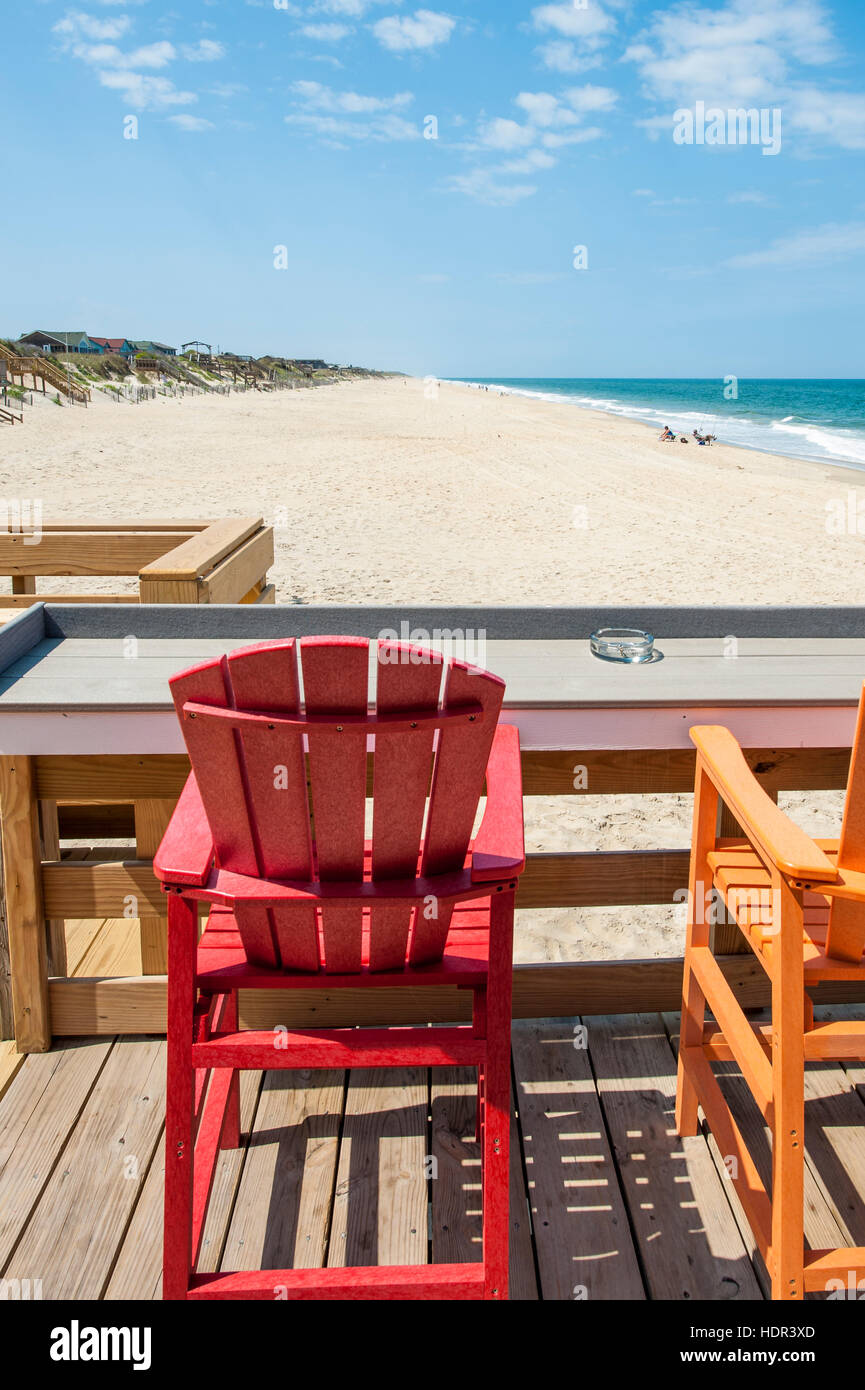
(151, 823)
(22, 869)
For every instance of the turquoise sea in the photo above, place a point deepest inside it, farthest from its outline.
(820, 420)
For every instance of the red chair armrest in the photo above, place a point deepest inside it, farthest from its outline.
(499, 846)
(186, 852)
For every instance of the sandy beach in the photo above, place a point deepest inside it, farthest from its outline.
(400, 492)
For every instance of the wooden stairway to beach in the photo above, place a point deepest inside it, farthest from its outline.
(42, 368)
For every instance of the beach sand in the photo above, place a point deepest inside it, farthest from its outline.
(399, 492)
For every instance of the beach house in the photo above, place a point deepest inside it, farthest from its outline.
(60, 341)
(121, 346)
(146, 345)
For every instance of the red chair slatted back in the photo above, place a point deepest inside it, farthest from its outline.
(845, 939)
(290, 804)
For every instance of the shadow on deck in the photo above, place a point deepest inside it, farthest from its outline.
(381, 1167)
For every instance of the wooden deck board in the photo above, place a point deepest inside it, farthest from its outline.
(380, 1203)
(689, 1242)
(584, 1244)
(281, 1213)
(619, 1206)
(72, 1237)
(456, 1183)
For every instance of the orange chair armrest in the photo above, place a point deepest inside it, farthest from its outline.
(783, 843)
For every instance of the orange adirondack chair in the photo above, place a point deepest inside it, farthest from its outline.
(270, 831)
(800, 904)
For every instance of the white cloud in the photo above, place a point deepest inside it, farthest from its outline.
(76, 25)
(355, 9)
(154, 55)
(191, 123)
(205, 51)
(143, 91)
(829, 243)
(503, 134)
(226, 90)
(748, 197)
(745, 55)
(424, 29)
(315, 94)
(561, 55)
(554, 140)
(340, 116)
(551, 123)
(482, 185)
(527, 163)
(590, 98)
(589, 24)
(584, 32)
(326, 33)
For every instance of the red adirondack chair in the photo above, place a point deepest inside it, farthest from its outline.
(270, 831)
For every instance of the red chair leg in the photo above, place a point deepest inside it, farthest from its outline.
(180, 1099)
(497, 1101)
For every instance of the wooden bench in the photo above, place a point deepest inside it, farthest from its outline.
(224, 561)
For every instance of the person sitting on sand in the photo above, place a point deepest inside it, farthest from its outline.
(667, 433)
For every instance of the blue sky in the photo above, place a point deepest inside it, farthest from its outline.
(304, 124)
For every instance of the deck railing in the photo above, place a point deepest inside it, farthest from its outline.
(130, 797)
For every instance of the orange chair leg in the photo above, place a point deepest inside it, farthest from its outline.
(788, 1086)
(693, 1000)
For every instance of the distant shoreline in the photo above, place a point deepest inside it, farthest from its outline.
(728, 427)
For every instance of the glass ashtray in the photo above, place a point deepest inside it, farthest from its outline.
(625, 644)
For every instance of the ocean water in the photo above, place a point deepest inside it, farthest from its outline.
(822, 420)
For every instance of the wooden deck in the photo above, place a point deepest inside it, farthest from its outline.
(369, 1168)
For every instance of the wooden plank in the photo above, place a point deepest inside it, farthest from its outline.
(11, 1061)
(80, 552)
(584, 1244)
(24, 908)
(89, 888)
(55, 926)
(456, 1183)
(380, 1203)
(121, 527)
(689, 1244)
(622, 877)
(197, 555)
(138, 1271)
(79, 939)
(236, 574)
(169, 591)
(151, 823)
(23, 584)
(281, 1214)
(115, 951)
(14, 601)
(39, 1109)
(73, 1234)
(592, 772)
(137, 1005)
(103, 777)
(127, 776)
